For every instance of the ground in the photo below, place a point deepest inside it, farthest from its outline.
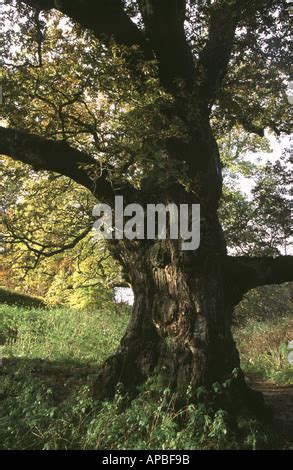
(280, 399)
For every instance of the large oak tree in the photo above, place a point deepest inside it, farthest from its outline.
(216, 64)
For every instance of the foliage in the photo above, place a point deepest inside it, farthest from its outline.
(257, 225)
(48, 245)
(75, 420)
(81, 90)
(266, 303)
(263, 346)
(83, 94)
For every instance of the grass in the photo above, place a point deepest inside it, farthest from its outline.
(62, 334)
(263, 346)
(50, 358)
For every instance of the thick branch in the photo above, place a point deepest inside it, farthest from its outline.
(242, 274)
(164, 23)
(225, 17)
(105, 18)
(58, 157)
(215, 56)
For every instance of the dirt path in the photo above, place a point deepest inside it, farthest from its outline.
(280, 399)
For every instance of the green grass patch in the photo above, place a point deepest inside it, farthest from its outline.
(61, 334)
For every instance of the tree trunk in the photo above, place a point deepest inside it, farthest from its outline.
(180, 331)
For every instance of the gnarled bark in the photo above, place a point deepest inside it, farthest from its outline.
(180, 331)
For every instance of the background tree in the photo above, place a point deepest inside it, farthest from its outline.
(258, 223)
(123, 100)
(48, 247)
